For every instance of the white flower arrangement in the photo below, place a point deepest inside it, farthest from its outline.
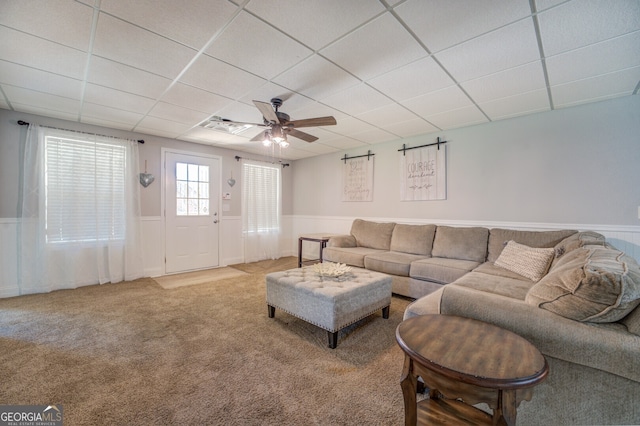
(329, 269)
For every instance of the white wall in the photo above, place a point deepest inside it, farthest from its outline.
(576, 167)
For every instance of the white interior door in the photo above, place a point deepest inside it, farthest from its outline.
(192, 194)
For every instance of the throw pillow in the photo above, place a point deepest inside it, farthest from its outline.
(591, 284)
(527, 261)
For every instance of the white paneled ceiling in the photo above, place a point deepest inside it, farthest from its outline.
(385, 69)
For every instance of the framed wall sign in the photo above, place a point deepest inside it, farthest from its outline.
(423, 174)
(357, 179)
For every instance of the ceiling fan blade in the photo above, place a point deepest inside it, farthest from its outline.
(259, 137)
(301, 135)
(267, 111)
(313, 122)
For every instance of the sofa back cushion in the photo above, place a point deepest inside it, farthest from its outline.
(577, 240)
(414, 239)
(499, 237)
(375, 235)
(592, 284)
(461, 243)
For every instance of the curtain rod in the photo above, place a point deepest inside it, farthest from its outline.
(24, 123)
(238, 158)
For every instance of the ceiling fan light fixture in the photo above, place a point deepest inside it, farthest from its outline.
(283, 143)
(267, 139)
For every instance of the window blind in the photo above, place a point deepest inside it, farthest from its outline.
(261, 185)
(85, 190)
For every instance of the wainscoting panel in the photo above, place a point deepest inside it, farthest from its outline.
(231, 242)
(8, 257)
(153, 245)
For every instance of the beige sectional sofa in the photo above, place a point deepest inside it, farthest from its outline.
(570, 293)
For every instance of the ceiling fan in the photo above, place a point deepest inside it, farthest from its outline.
(279, 125)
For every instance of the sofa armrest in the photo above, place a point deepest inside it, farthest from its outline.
(608, 347)
(342, 241)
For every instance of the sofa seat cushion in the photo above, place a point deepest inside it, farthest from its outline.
(461, 243)
(441, 270)
(414, 239)
(499, 237)
(591, 284)
(515, 286)
(353, 256)
(391, 262)
(374, 235)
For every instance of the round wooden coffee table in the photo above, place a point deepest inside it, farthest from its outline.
(464, 362)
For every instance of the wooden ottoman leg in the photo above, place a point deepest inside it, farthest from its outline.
(271, 310)
(385, 312)
(333, 339)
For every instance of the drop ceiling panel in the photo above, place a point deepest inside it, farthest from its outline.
(580, 23)
(161, 127)
(442, 23)
(506, 83)
(40, 81)
(101, 121)
(601, 58)
(356, 100)
(220, 78)
(499, 50)
(72, 20)
(405, 129)
(253, 50)
(349, 126)
(411, 80)
(37, 110)
(122, 77)
(131, 45)
(602, 87)
(316, 23)
(205, 17)
(392, 113)
(117, 99)
(316, 77)
(436, 102)
(103, 113)
(346, 143)
(458, 118)
(41, 54)
(374, 136)
(521, 104)
(192, 97)
(178, 114)
(378, 47)
(18, 95)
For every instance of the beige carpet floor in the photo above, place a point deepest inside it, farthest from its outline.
(134, 353)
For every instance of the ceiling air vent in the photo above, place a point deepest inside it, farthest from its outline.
(224, 125)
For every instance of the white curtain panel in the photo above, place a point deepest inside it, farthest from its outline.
(75, 228)
(261, 210)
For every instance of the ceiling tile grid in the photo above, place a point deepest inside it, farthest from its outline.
(384, 69)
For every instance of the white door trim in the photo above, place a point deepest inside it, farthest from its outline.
(163, 207)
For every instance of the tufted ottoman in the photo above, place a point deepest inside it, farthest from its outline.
(331, 303)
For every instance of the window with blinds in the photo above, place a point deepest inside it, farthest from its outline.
(261, 186)
(85, 190)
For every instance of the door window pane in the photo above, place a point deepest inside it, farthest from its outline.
(192, 190)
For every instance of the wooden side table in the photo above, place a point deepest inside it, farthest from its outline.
(464, 362)
(318, 238)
